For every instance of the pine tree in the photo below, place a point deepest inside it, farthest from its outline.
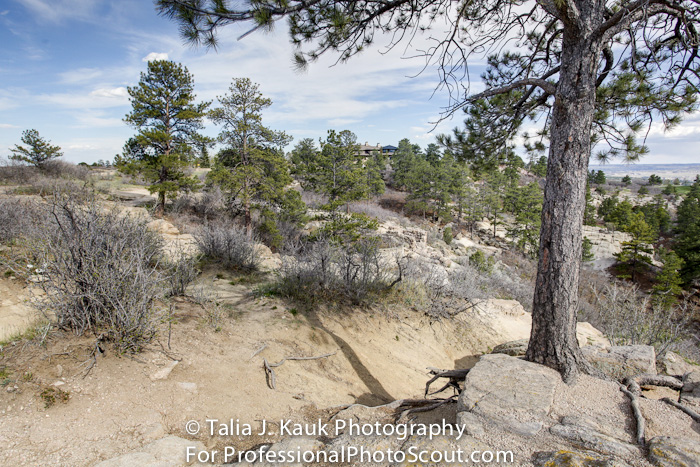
(402, 163)
(168, 121)
(635, 254)
(252, 169)
(37, 152)
(668, 281)
(687, 245)
(303, 159)
(528, 214)
(587, 250)
(627, 180)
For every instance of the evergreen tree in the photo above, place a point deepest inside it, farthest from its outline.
(37, 152)
(669, 190)
(587, 250)
(643, 190)
(303, 159)
(373, 167)
(655, 180)
(528, 214)
(419, 182)
(252, 169)
(402, 163)
(687, 245)
(635, 254)
(668, 281)
(539, 168)
(589, 215)
(432, 154)
(627, 180)
(168, 120)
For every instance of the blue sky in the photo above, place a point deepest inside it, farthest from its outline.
(65, 66)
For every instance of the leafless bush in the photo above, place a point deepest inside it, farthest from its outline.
(180, 271)
(99, 271)
(371, 209)
(17, 218)
(313, 200)
(325, 271)
(228, 244)
(629, 317)
(63, 169)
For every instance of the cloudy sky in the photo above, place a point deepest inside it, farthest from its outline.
(65, 66)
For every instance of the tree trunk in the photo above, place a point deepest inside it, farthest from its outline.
(553, 336)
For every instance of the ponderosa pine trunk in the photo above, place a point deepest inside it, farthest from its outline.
(555, 306)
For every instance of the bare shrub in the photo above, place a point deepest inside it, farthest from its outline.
(228, 245)
(324, 271)
(372, 209)
(313, 200)
(17, 218)
(180, 271)
(99, 271)
(629, 317)
(63, 169)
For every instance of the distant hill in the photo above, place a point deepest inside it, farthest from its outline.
(665, 171)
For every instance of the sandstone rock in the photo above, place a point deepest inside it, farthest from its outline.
(510, 392)
(163, 227)
(619, 362)
(163, 373)
(471, 422)
(670, 363)
(170, 451)
(690, 394)
(590, 439)
(574, 459)
(189, 387)
(513, 348)
(667, 451)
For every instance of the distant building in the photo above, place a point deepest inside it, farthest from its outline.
(389, 150)
(366, 150)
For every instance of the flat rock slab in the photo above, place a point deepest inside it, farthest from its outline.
(506, 389)
(170, 451)
(690, 394)
(666, 451)
(565, 458)
(589, 438)
(621, 361)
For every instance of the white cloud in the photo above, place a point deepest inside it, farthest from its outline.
(57, 10)
(155, 56)
(8, 125)
(4, 12)
(112, 93)
(80, 75)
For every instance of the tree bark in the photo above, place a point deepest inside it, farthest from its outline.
(553, 336)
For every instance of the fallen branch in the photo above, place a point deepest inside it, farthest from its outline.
(659, 380)
(455, 378)
(270, 373)
(693, 414)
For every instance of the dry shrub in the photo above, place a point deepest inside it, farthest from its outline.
(372, 209)
(99, 270)
(629, 317)
(181, 270)
(228, 244)
(18, 217)
(327, 272)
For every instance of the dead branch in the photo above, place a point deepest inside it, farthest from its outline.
(455, 378)
(270, 373)
(693, 414)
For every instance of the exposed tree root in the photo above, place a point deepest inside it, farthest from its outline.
(456, 377)
(270, 373)
(693, 414)
(634, 402)
(412, 406)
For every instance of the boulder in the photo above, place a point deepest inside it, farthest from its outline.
(509, 392)
(670, 363)
(619, 362)
(512, 348)
(163, 227)
(667, 451)
(566, 458)
(690, 394)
